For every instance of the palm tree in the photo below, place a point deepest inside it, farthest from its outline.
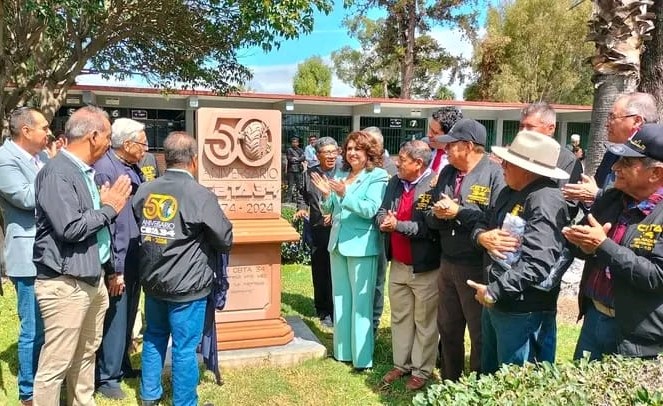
(618, 28)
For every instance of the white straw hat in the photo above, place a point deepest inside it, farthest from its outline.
(533, 152)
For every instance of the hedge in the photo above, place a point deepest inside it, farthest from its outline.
(613, 381)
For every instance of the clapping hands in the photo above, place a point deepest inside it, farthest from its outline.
(326, 185)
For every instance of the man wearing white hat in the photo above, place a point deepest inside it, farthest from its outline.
(518, 322)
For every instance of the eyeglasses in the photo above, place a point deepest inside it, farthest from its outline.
(328, 153)
(144, 145)
(612, 117)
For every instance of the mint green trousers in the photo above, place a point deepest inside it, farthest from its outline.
(353, 287)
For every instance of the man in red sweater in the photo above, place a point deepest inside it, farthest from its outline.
(415, 259)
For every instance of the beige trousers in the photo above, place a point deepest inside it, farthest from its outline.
(73, 314)
(414, 335)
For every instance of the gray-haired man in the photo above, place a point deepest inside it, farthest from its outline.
(128, 145)
(72, 249)
(311, 203)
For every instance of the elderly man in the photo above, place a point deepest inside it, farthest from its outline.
(183, 233)
(629, 112)
(311, 205)
(71, 252)
(19, 163)
(442, 122)
(413, 251)
(620, 296)
(378, 299)
(523, 239)
(541, 117)
(465, 190)
(128, 145)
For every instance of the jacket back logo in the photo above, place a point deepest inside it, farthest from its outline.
(158, 211)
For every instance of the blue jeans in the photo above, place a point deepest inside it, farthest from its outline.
(514, 338)
(30, 336)
(184, 321)
(598, 335)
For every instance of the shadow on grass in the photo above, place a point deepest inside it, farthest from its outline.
(395, 394)
(10, 357)
(300, 304)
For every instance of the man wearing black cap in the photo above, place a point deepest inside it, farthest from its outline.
(620, 291)
(465, 189)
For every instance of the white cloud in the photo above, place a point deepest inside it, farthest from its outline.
(97, 80)
(278, 79)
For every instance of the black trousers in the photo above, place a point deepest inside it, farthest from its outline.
(295, 180)
(112, 356)
(457, 309)
(321, 272)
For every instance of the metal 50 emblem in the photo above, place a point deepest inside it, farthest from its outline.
(162, 207)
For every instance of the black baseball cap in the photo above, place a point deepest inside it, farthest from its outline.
(646, 142)
(465, 130)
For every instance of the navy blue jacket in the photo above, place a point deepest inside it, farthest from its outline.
(125, 234)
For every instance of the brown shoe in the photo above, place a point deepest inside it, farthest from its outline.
(26, 402)
(393, 375)
(415, 383)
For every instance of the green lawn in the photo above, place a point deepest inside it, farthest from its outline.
(319, 382)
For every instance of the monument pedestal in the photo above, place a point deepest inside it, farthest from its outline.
(252, 317)
(239, 156)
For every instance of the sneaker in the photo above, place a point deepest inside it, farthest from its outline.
(149, 402)
(111, 392)
(327, 322)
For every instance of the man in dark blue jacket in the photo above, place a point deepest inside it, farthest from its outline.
(128, 145)
(182, 231)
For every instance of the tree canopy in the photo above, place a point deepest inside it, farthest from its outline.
(534, 50)
(45, 44)
(313, 78)
(398, 57)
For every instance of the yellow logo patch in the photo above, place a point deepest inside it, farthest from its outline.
(479, 194)
(162, 207)
(647, 236)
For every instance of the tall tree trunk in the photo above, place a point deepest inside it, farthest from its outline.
(651, 68)
(409, 25)
(608, 89)
(618, 28)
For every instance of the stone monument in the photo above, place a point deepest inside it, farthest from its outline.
(239, 157)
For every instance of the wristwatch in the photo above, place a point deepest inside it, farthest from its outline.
(488, 298)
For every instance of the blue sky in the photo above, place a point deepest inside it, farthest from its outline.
(273, 71)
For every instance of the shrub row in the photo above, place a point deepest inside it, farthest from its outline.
(613, 381)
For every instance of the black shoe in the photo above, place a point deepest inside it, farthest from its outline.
(149, 402)
(111, 393)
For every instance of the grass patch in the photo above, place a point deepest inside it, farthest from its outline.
(315, 382)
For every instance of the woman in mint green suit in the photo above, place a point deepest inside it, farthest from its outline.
(353, 198)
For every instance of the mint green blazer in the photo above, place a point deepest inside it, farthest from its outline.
(353, 230)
